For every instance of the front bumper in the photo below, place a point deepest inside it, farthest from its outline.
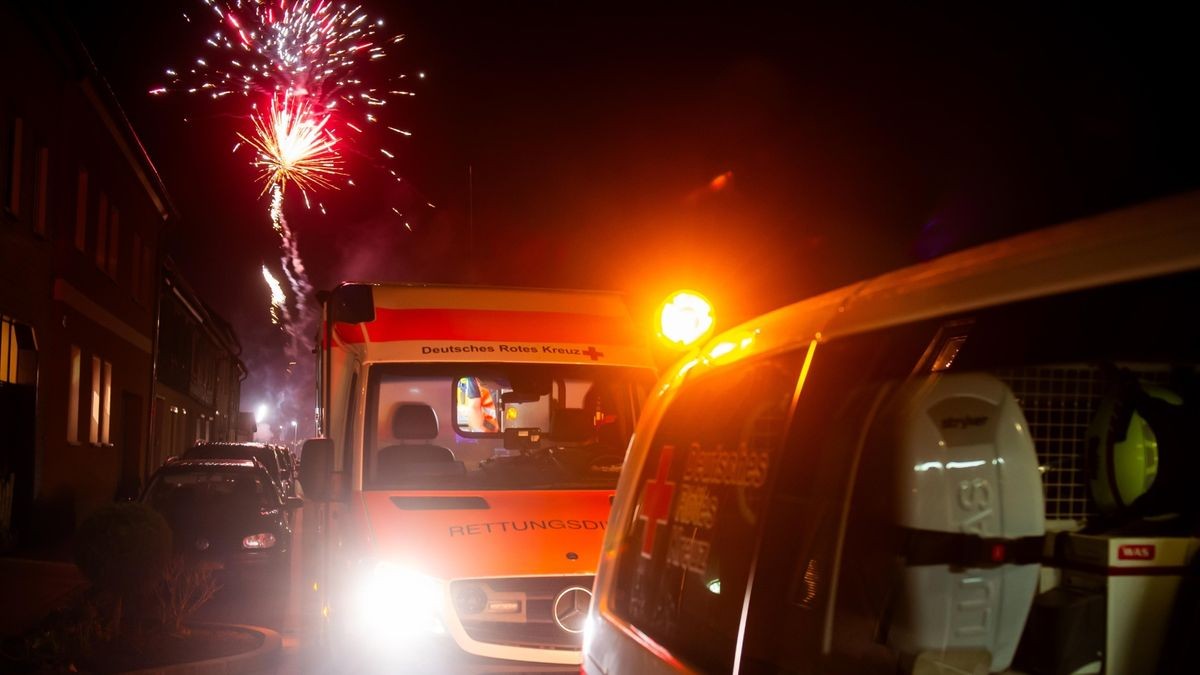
(243, 562)
(406, 620)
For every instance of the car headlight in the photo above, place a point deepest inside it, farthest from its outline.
(259, 541)
(394, 602)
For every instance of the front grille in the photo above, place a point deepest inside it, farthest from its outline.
(534, 626)
(1059, 403)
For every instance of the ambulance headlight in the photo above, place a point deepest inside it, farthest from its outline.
(395, 602)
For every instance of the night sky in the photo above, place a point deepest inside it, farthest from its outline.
(756, 155)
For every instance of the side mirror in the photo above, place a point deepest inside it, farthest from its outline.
(294, 503)
(316, 472)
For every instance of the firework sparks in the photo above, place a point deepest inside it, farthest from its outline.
(294, 145)
(278, 298)
(311, 48)
(309, 59)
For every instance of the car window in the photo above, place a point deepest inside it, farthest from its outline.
(797, 557)
(956, 516)
(684, 562)
(269, 459)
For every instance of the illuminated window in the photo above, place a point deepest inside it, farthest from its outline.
(94, 420)
(8, 350)
(81, 210)
(43, 175)
(73, 397)
(106, 403)
(102, 232)
(17, 345)
(14, 175)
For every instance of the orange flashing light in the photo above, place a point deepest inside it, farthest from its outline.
(684, 318)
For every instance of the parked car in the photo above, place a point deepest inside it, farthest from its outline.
(983, 462)
(228, 513)
(270, 456)
(287, 460)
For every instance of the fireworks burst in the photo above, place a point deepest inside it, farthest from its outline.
(305, 57)
(293, 144)
(310, 49)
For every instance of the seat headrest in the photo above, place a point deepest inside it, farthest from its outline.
(572, 425)
(414, 421)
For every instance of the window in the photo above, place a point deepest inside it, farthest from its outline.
(796, 559)
(73, 396)
(81, 210)
(102, 233)
(685, 561)
(94, 424)
(192, 490)
(106, 404)
(8, 350)
(114, 241)
(579, 419)
(347, 450)
(18, 352)
(15, 164)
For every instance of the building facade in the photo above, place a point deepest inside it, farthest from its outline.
(83, 222)
(198, 373)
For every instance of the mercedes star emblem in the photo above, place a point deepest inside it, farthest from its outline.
(201, 544)
(571, 607)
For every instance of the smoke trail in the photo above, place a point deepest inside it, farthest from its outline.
(300, 324)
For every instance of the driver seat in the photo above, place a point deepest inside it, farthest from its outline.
(412, 421)
(572, 425)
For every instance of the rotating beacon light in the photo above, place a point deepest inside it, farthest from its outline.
(684, 318)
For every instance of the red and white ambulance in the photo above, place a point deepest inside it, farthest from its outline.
(472, 440)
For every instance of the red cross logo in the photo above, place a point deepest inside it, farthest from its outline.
(656, 500)
(591, 353)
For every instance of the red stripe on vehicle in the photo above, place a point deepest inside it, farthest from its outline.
(348, 332)
(496, 326)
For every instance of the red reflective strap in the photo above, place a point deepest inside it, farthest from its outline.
(998, 553)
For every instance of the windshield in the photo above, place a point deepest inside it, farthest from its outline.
(499, 426)
(265, 455)
(191, 489)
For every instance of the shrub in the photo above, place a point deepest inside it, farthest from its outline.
(185, 589)
(123, 549)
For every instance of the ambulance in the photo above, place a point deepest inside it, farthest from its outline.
(471, 440)
(985, 463)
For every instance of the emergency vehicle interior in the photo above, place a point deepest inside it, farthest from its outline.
(1039, 491)
(498, 426)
